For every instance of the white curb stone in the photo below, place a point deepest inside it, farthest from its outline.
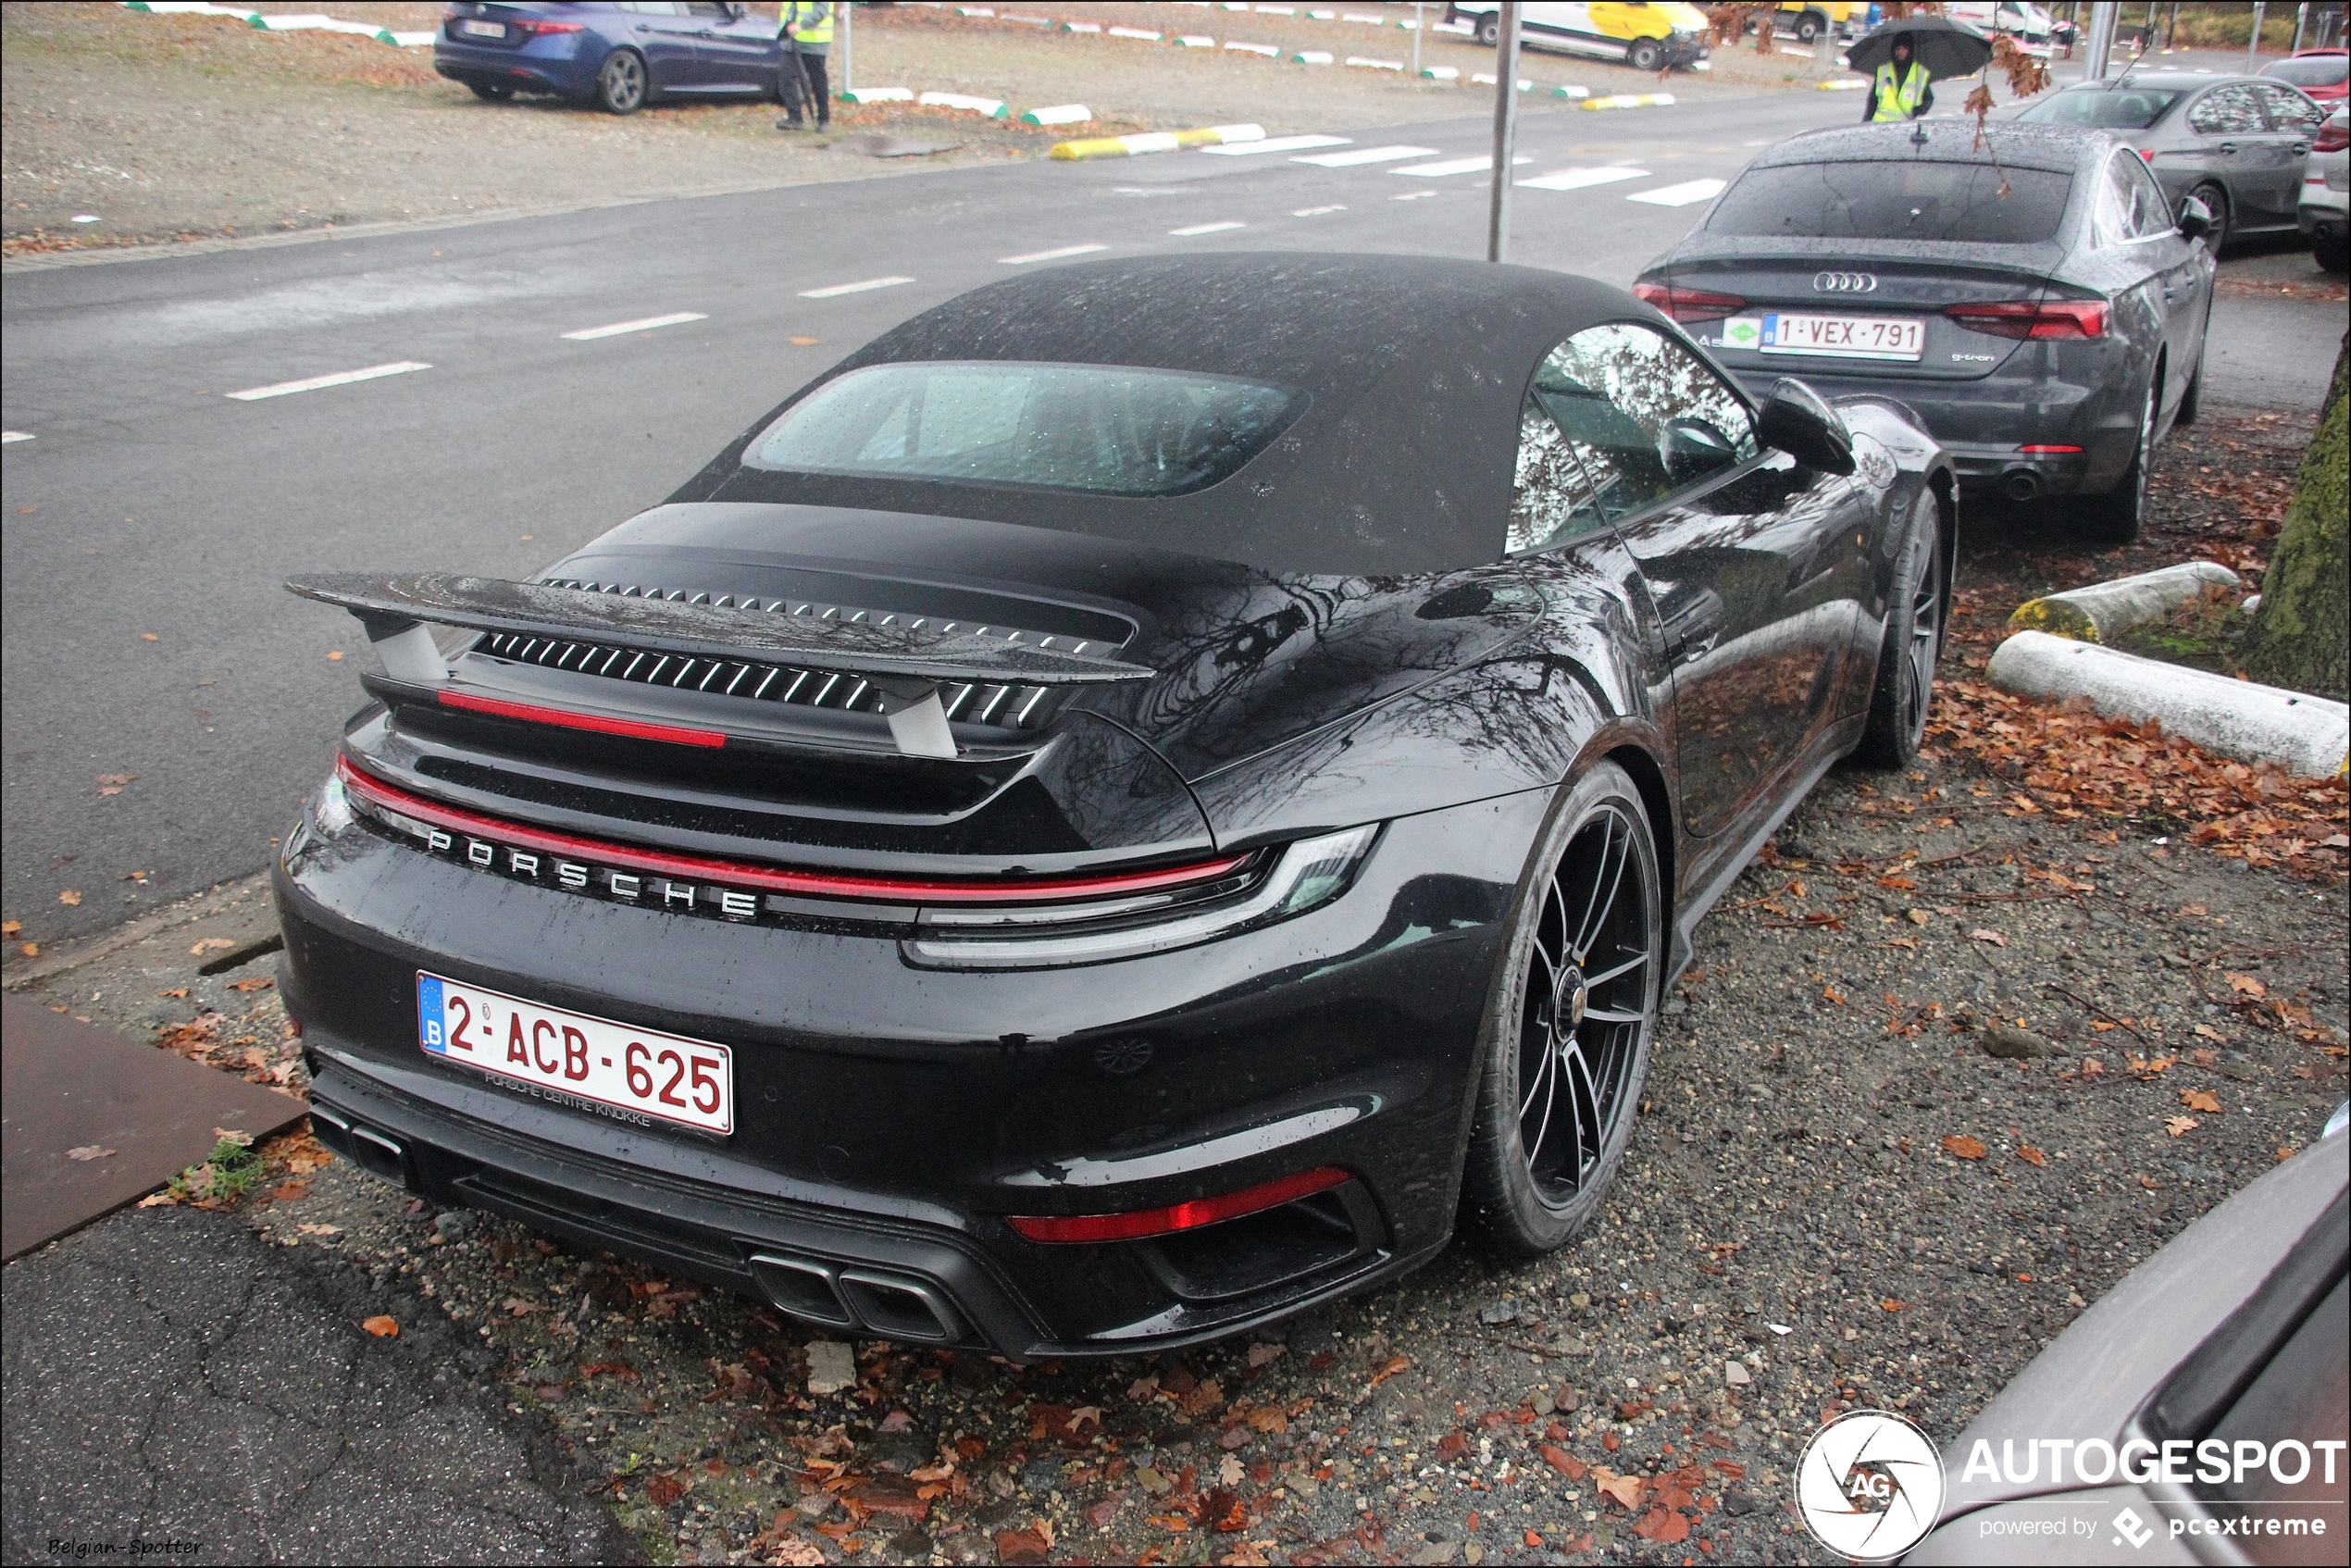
(1375, 65)
(1313, 58)
(1059, 114)
(879, 96)
(2306, 735)
(2094, 614)
(994, 108)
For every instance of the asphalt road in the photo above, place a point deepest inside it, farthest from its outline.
(152, 516)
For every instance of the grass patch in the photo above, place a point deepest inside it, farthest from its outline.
(2207, 633)
(226, 1174)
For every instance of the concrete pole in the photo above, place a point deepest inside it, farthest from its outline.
(1420, 25)
(2301, 20)
(2101, 40)
(1497, 218)
(2253, 44)
(847, 81)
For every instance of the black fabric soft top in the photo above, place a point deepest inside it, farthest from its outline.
(1402, 462)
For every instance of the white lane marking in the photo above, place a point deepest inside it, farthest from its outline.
(647, 325)
(1316, 212)
(341, 379)
(1276, 145)
(1681, 195)
(8, 436)
(836, 289)
(1413, 196)
(1049, 255)
(1576, 178)
(1206, 229)
(1365, 155)
(1478, 164)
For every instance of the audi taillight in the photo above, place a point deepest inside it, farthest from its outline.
(2033, 319)
(530, 29)
(2333, 137)
(1688, 305)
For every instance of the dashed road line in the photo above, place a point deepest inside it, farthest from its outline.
(836, 289)
(1365, 155)
(1478, 164)
(1277, 145)
(1413, 196)
(1049, 255)
(1576, 178)
(1316, 212)
(1207, 229)
(339, 379)
(8, 436)
(1681, 195)
(647, 325)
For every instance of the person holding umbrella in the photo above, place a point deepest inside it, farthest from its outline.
(1900, 89)
(1904, 57)
(806, 29)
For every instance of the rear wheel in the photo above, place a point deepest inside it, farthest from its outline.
(497, 91)
(2115, 518)
(1566, 1047)
(2216, 199)
(1906, 660)
(1647, 54)
(1809, 27)
(2192, 400)
(2330, 251)
(620, 82)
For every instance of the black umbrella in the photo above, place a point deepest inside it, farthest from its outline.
(1946, 48)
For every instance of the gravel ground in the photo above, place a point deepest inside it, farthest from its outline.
(192, 127)
(1944, 1072)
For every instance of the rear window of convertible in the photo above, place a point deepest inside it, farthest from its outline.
(1109, 430)
(1968, 203)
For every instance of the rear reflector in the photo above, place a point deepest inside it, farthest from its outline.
(2031, 449)
(1133, 1226)
(1688, 305)
(370, 790)
(2033, 319)
(677, 735)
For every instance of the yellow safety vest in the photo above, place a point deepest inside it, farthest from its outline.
(809, 23)
(1898, 99)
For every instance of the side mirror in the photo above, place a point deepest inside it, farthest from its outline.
(1799, 422)
(2196, 219)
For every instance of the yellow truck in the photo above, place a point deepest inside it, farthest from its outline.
(1662, 35)
(1810, 19)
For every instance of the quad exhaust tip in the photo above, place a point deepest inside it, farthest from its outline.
(888, 1304)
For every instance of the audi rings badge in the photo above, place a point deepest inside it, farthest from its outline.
(1844, 282)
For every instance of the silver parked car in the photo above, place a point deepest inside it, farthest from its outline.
(2235, 142)
(2195, 1413)
(2324, 190)
(2032, 300)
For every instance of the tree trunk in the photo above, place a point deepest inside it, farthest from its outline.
(2302, 634)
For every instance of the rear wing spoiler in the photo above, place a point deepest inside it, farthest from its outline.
(907, 660)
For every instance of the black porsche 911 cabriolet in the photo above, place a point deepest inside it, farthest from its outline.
(1118, 812)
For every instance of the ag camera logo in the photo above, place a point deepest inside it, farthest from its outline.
(1870, 1485)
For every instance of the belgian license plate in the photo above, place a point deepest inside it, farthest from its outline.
(482, 29)
(1845, 337)
(566, 1056)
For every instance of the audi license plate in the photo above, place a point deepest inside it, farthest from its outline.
(1846, 337)
(482, 29)
(565, 1057)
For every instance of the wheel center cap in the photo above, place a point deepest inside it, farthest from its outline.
(1575, 996)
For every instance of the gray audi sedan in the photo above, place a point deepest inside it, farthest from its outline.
(2032, 299)
(2236, 144)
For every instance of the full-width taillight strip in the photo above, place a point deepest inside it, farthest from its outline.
(817, 884)
(534, 712)
(1138, 1223)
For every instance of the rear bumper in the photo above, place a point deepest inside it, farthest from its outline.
(888, 1120)
(563, 63)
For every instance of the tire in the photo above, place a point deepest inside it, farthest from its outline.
(2218, 200)
(620, 82)
(2332, 252)
(1809, 26)
(2192, 400)
(1647, 54)
(494, 92)
(2115, 518)
(1555, 1107)
(1905, 687)
(1489, 30)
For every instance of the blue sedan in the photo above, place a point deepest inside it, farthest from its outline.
(619, 58)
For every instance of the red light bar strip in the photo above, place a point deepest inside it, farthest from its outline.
(2048, 449)
(1065, 1229)
(677, 735)
(817, 884)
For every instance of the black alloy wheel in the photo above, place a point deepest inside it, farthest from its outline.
(620, 82)
(1566, 1044)
(2215, 198)
(497, 91)
(2115, 518)
(1489, 30)
(1905, 688)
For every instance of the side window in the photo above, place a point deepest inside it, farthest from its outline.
(2227, 111)
(2151, 210)
(2290, 111)
(2114, 202)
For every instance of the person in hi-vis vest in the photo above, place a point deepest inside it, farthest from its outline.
(1900, 90)
(805, 28)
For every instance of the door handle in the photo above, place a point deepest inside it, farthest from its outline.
(2301, 149)
(2228, 147)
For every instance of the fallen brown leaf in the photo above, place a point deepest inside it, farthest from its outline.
(88, 1151)
(1960, 1146)
(2031, 1155)
(382, 1328)
(2199, 1099)
(1626, 1489)
(2179, 1126)
(70, 896)
(1980, 935)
